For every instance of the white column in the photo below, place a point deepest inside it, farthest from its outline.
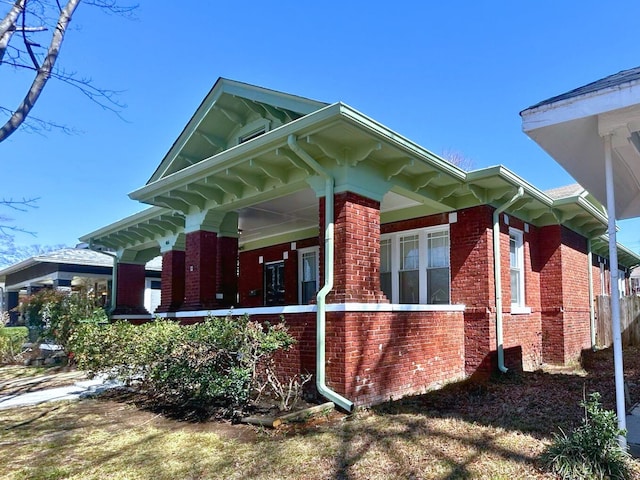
(621, 410)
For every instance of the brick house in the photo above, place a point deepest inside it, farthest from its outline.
(395, 270)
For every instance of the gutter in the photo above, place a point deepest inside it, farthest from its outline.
(321, 314)
(497, 276)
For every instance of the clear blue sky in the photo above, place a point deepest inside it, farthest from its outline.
(448, 75)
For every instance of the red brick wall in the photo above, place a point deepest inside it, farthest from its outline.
(130, 289)
(372, 357)
(357, 250)
(252, 275)
(227, 270)
(471, 258)
(200, 270)
(575, 280)
(565, 303)
(172, 281)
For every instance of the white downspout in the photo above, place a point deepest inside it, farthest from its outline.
(621, 410)
(497, 271)
(321, 315)
(592, 315)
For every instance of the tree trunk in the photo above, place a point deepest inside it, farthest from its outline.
(8, 26)
(43, 72)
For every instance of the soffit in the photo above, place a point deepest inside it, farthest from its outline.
(231, 109)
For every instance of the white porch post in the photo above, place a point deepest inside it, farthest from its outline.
(621, 410)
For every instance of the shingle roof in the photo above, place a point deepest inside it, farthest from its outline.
(565, 191)
(74, 256)
(625, 76)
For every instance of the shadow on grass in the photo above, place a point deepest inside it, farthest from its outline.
(473, 429)
(536, 403)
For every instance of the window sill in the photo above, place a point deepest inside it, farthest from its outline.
(515, 310)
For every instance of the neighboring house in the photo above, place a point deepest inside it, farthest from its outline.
(71, 269)
(395, 270)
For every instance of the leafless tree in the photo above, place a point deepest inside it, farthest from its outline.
(21, 30)
(6, 230)
(459, 159)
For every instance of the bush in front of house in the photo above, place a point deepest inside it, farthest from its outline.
(592, 450)
(12, 340)
(53, 315)
(204, 367)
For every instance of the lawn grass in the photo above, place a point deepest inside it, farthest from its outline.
(488, 430)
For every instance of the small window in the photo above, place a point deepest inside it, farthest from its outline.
(516, 260)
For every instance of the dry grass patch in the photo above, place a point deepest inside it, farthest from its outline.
(469, 430)
(95, 439)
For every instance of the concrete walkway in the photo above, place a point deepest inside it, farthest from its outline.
(81, 389)
(633, 431)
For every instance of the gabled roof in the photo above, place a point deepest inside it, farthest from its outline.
(615, 80)
(231, 110)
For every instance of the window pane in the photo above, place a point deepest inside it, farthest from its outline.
(513, 251)
(308, 291)
(438, 285)
(409, 287)
(515, 287)
(385, 255)
(409, 253)
(385, 284)
(438, 249)
(309, 266)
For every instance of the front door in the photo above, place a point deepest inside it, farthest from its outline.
(274, 283)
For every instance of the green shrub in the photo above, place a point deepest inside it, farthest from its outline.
(592, 450)
(193, 367)
(11, 341)
(53, 315)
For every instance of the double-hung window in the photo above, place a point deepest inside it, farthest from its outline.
(414, 266)
(516, 261)
(308, 274)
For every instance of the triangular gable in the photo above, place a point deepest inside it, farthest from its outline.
(232, 113)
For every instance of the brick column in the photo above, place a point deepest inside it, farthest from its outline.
(172, 281)
(227, 271)
(357, 249)
(200, 270)
(564, 294)
(130, 289)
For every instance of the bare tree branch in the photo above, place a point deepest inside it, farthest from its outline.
(44, 72)
(7, 25)
(23, 55)
(38, 125)
(21, 205)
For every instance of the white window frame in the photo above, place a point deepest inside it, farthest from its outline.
(519, 307)
(301, 253)
(422, 234)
